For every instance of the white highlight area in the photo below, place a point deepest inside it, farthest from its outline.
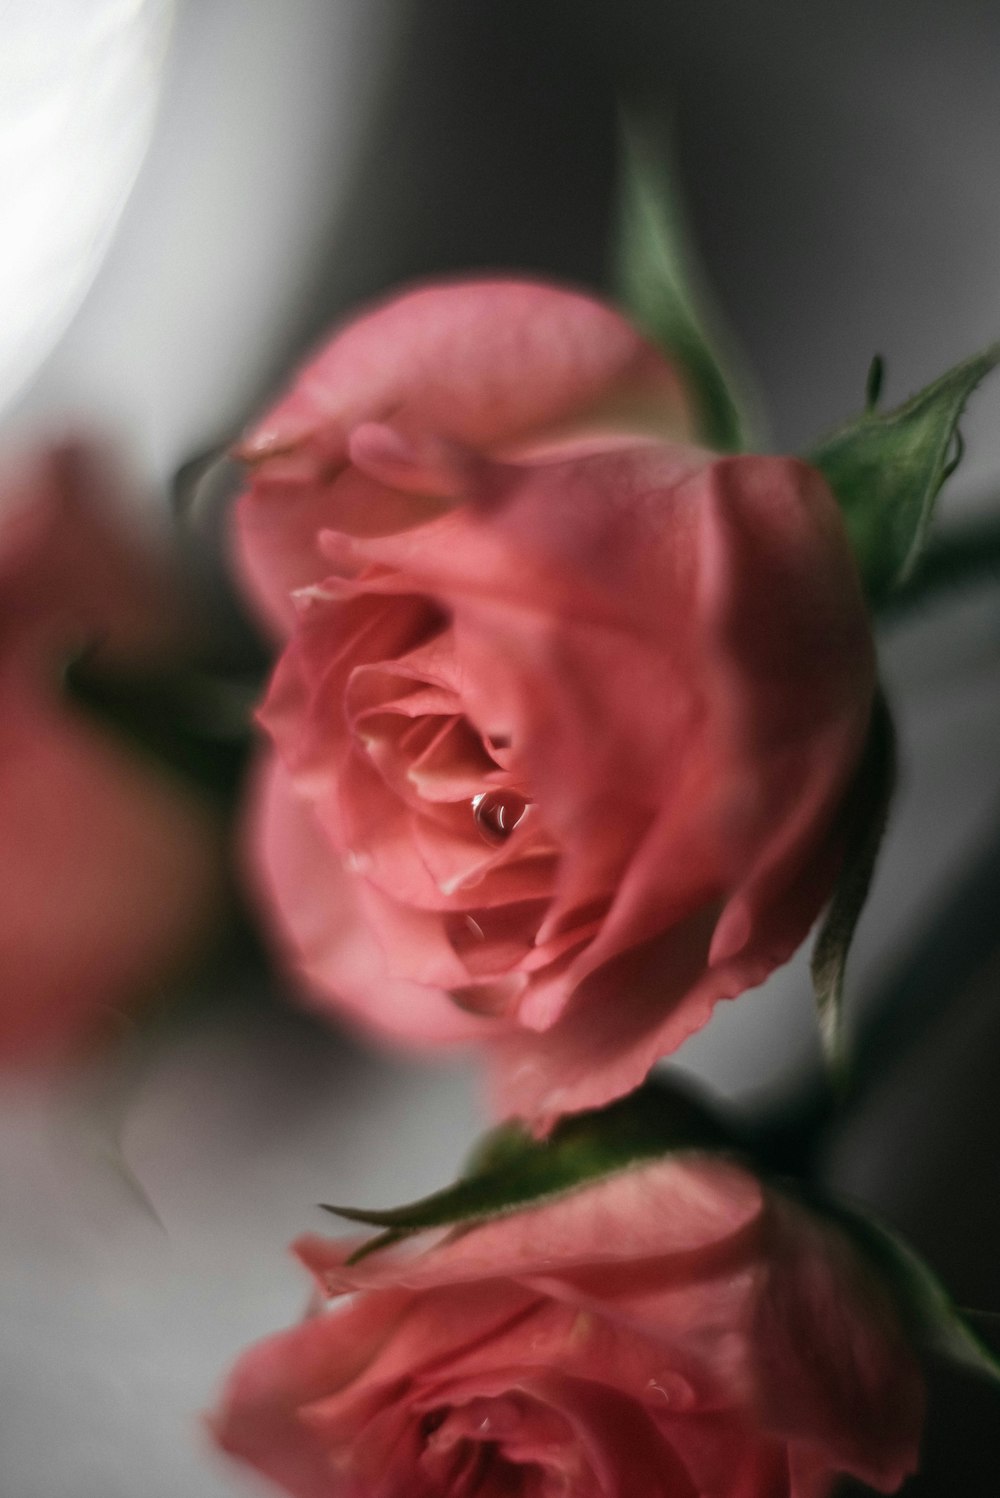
(78, 89)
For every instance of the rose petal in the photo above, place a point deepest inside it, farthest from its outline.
(483, 363)
(75, 568)
(862, 1401)
(259, 1419)
(673, 1208)
(627, 1452)
(326, 938)
(112, 873)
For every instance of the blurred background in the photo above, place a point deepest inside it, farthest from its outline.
(194, 192)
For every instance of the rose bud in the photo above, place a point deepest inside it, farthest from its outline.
(567, 707)
(110, 871)
(675, 1331)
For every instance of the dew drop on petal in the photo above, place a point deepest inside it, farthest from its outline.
(497, 813)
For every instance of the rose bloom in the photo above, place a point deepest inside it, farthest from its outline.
(567, 705)
(110, 871)
(675, 1331)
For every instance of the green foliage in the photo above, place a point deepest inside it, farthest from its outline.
(193, 723)
(887, 470)
(968, 552)
(865, 818)
(934, 1321)
(656, 282)
(510, 1169)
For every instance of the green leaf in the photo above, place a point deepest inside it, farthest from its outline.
(192, 722)
(866, 813)
(935, 1322)
(656, 282)
(887, 470)
(510, 1169)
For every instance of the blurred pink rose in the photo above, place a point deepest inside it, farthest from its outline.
(110, 872)
(567, 707)
(671, 1332)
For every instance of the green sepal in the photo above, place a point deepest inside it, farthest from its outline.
(656, 282)
(887, 469)
(933, 1320)
(510, 1169)
(865, 815)
(192, 722)
(965, 554)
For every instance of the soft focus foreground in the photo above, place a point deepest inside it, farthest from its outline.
(111, 869)
(567, 709)
(675, 1331)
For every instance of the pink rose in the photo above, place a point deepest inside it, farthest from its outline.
(567, 707)
(110, 872)
(675, 1331)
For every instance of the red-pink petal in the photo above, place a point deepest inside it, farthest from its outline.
(304, 884)
(112, 874)
(861, 1402)
(675, 1207)
(260, 1416)
(483, 363)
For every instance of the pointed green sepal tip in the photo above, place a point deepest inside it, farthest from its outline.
(657, 282)
(935, 1323)
(874, 382)
(887, 469)
(510, 1170)
(865, 818)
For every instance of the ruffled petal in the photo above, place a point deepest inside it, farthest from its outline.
(260, 1415)
(484, 363)
(862, 1402)
(317, 918)
(673, 1209)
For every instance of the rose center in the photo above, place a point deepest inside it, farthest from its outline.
(497, 813)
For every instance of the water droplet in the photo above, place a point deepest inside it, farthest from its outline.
(497, 813)
(654, 1384)
(308, 597)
